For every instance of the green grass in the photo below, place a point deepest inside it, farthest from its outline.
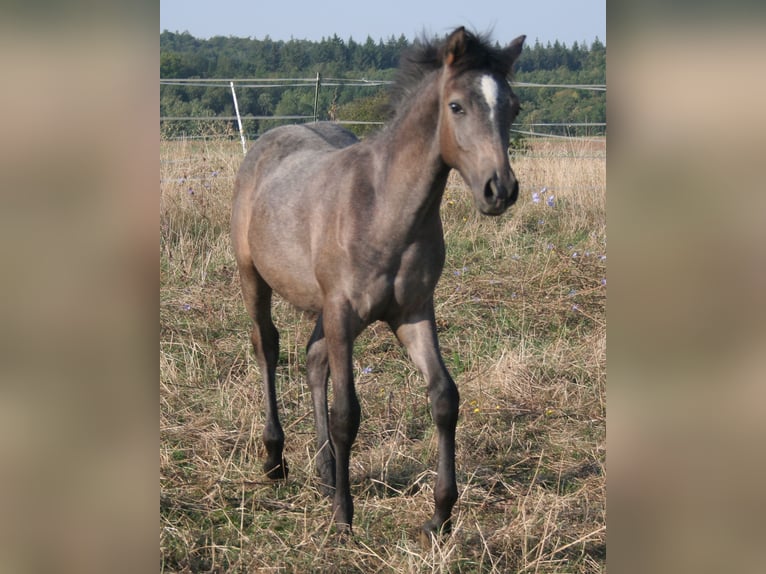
(521, 320)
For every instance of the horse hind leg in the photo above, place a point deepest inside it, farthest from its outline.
(318, 371)
(265, 339)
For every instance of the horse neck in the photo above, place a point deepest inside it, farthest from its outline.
(414, 174)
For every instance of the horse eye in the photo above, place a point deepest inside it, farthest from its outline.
(456, 108)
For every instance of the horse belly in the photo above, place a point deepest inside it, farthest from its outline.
(287, 270)
(301, 294)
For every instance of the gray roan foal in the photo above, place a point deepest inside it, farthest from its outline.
(351, 230)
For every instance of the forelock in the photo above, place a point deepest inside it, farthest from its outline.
(427, 55)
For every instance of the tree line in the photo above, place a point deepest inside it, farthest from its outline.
(184, 56)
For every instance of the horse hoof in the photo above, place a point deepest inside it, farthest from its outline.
(276, 471)
(425, 537)
(430, 534)
(344, 533)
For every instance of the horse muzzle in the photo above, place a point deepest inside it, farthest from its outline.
(497, 195)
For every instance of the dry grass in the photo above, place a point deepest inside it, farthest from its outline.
(521, 313)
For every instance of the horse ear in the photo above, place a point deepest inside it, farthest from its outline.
(513, 50)
(455, 46)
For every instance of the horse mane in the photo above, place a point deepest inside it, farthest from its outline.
(427, 55)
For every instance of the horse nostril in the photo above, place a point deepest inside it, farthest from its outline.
(490, 190)
(514, 191)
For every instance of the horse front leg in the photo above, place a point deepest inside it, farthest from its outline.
(418, 335)
(341, 327)
(318, 371)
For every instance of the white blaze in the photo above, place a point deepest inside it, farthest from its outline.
(489, 89)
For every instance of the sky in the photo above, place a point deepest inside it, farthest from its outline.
(567, 21)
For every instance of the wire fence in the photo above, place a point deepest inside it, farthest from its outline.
(317, 83)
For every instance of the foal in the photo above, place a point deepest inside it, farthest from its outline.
(351, 230)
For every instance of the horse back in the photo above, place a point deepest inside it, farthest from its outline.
(278, 153)
(284, 141)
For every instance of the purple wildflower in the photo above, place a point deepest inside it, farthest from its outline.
(551, 202)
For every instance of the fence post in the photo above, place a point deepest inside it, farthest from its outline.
(239, 119)
(316, 95)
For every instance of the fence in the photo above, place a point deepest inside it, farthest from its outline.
(318, 83)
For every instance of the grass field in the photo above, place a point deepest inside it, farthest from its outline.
(521, 314)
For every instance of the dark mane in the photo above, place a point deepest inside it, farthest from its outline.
(427, 55)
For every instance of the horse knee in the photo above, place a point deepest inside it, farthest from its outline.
(344, 420)
(445, 400)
